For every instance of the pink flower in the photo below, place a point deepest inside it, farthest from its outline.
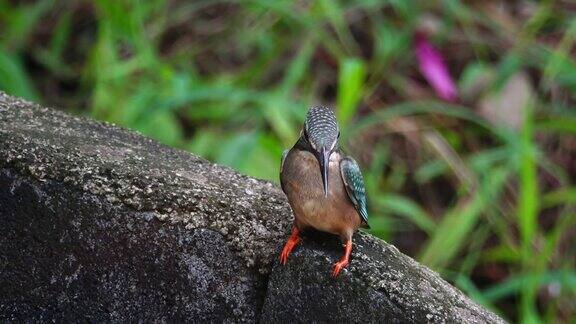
(433, 69)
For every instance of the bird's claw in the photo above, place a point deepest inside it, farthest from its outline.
(284, 255)
(338, 266)
(288, 247)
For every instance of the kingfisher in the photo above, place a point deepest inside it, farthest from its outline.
(324, 187)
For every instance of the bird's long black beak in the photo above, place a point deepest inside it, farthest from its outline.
(324, 159)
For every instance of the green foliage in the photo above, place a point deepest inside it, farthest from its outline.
(13, 78)
(350, 83)
(487, 199)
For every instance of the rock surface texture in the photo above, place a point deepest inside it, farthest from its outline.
(101, 224)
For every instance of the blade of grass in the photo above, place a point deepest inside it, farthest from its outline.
(298, 66)
(350, 88)
(528, 202)
(335, 14)
(559, 197)
(406, 208)
(457, 224)
(13, 77)
(19, 22)
(514, 284)
(429, 107)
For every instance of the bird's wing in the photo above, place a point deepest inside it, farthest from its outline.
(354, 184)
(284, 154)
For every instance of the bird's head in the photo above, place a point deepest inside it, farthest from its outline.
(320, 133)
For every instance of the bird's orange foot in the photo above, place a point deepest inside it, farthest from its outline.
(338, 266)
(290, 244)
(288, 247)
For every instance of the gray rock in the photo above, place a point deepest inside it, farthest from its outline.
(70, 256)
(102, 224)
(381, 285)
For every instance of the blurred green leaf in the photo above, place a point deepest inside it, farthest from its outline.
(298, 67)
(559, 197)
(456, 226)
(509, 65)
(560, 65)
(502, 253)
(529, 196)
(163, 126)
(204, 142)
(19, 22)
(382, 227)
(334, 12)
(474, 79)
(424, 107)
(514, 284)
(13, 77)
(406, 208)
(236, 149)
(51, 57)
(391, 42)
(350, 88)
(563, 124)
(276, 110)
(264, 162)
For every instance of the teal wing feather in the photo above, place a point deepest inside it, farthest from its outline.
(284, 154)
(354, 183)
